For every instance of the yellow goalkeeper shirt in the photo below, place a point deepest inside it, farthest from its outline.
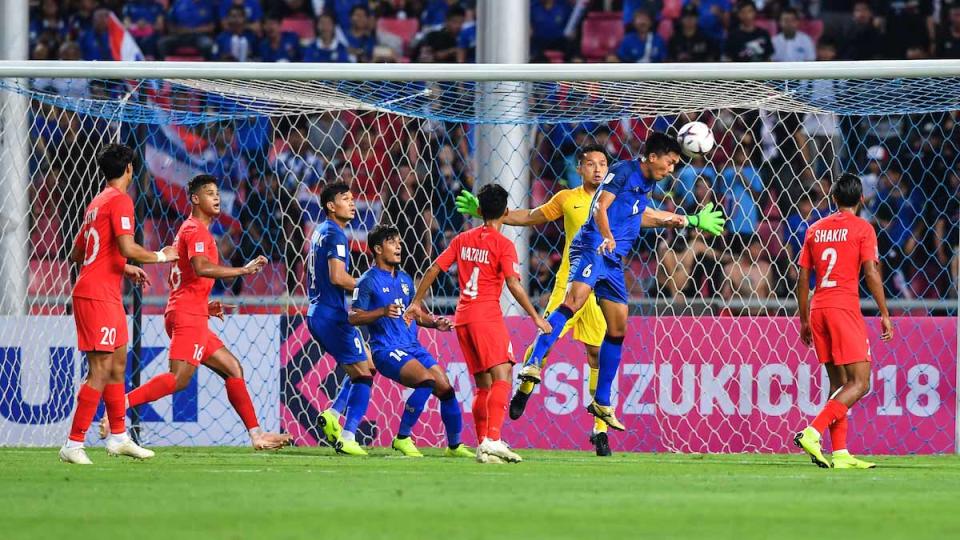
(574, 206)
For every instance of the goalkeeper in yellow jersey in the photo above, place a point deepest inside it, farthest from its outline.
(588, 325)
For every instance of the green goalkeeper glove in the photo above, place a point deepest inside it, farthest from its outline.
(708, 220)
(468, 203)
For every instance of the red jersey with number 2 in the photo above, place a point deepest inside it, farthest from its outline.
(108, 216)
(834, 250)
(189, 293)
(484, 259)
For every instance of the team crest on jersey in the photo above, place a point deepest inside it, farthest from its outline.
(198, 247)
(125, 223)
(405, 288)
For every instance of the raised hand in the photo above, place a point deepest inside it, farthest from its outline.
(256, 265)
(708, 220)
(468, 203)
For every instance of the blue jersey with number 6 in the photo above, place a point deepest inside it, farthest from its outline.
(377, 289)
(627, 182)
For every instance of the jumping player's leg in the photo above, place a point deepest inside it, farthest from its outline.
(226, 365)
(576, 297)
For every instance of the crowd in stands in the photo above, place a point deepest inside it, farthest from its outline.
(770, 172)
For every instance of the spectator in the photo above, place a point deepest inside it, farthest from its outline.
(548, 22)
(442, 45)
(792, 45)
(95, 42)
(714, 16)
(434, 14)
(747, 42)
(948, 42)
(690, 43)
(277, 45)
(342, 11)
(144, 20)
(252, 12)
(895, 213)
(863, 41)
(48, 26)
(690, 262)
(359, 39)
(296, 9)
(909, 26)
(189, 24)
(870, 179)
(798, 221)
(326, 135)
(822, 128)
(409, 208)
(642, 45)
(750, 278)
(272, 224)
(947, 231)
(74, 88)
(236, 43)
(693, 171)
(73, 162)
(327, 47)
(82, 19)
(467, 41)
(741, 184)
(631, 6)
(298, 167)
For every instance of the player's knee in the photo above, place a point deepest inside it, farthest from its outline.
(426, 383)
(183, 380)
(861, 386)
(444, 391)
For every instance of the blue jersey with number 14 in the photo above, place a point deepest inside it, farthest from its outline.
(627, 182)
(377, 289)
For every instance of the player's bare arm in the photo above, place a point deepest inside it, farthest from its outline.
(708, 219)
(218, 309)
(803, 306)
(139, 254)
(603, 222)
(871, 273)
(516, 289)
(339, 275)
(415, 310)
(652, 218)
(203, 267)
(136, 274)
(525, 218)
(359, 317)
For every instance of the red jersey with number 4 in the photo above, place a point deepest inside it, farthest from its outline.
(109, 216)
(484, 259)
(834, 249)
(189, 293)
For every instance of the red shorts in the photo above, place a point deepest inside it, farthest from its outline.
(839, 336)
(191, 339)
(101, 326)
(485, 345)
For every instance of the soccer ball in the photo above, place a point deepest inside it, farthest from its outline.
(695, 139)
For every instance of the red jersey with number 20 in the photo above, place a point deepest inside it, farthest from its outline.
(189, 293)
(484, 259)
(109, 216)
(834, 249)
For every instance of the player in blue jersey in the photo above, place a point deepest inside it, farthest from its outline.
(618, 211)
(328, 266)
(382, 295)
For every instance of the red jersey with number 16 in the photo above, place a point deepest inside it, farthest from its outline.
(189, 293)
(484, 259)
(109, 216)
(834, 249)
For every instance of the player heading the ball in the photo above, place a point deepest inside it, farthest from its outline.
(835, 249)
(485, 259)
(102, 248)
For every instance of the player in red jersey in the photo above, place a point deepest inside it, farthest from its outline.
(835, 249)
(102, 248)
(484, 259)
(191, 341)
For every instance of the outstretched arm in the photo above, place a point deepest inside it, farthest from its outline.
(525, 218)
(203, 267)
(359, 317)
(513, 284)
(709, 219)
(415, 310)
(137, 253)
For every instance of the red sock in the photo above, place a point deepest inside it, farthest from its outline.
(838, 434)
(480, 412)
(152, 390)
(497, 408)
(115, 400)
(832, 411)
(240, 399)
(87, 400)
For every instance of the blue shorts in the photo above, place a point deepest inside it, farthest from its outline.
(339, 339)
(603, 274)
(389, 362)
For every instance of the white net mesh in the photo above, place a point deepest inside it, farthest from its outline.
(712, 361)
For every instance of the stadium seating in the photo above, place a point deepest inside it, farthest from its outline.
(813, 28)
(405, 29)
(671, 9)
(600, 38)
(301, 26)
(769, 25)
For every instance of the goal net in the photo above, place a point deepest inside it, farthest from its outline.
(712, 360)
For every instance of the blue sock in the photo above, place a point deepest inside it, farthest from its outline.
(610, 352)
(357, 403)
(411, 412)
(340, 403)
(558, 319)
(452, 418)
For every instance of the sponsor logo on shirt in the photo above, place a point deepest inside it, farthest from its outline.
(125, 223)
(341, 250)
(198, 247)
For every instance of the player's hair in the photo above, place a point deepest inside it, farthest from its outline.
(380, 234)
(847, 190)
(589, 149)
(661, 144)
(493, 201)
(113, 160)
(329, 194)
(200, 180)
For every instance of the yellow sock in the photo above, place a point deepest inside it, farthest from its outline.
(599, 426)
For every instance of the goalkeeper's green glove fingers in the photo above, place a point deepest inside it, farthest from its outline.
(708, 220)
(468, 203)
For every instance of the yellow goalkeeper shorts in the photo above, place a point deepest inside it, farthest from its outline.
(588, 324)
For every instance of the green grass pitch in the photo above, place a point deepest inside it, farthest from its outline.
(309, 493)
